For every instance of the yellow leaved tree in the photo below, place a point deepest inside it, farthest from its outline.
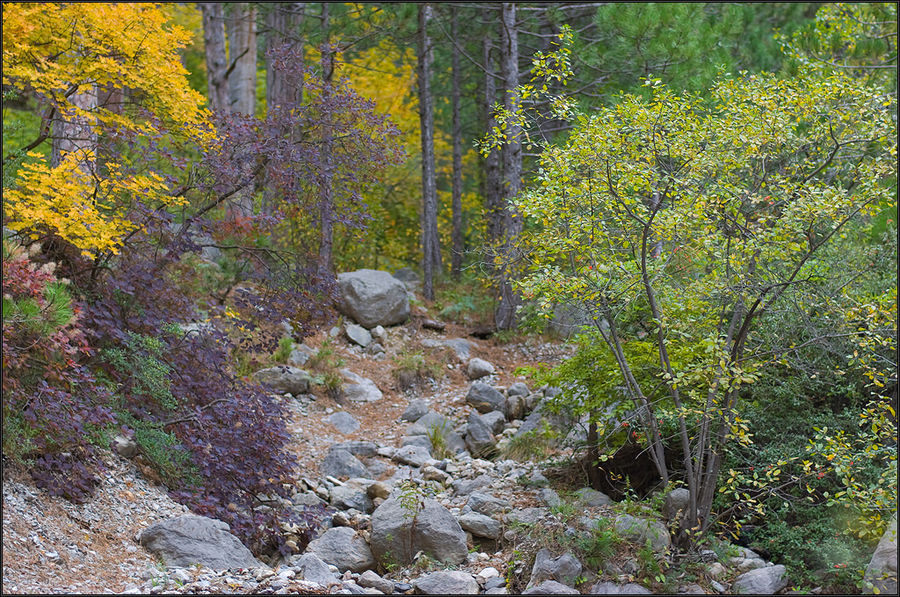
(103, 73)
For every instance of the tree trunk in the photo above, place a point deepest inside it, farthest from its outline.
(457, 236)
(430, 244)
(216, 61)
(492, 198)
(75, 134)
(242, 50)
(242, 87)
(282, 23)
(326, 191)
(511, 156)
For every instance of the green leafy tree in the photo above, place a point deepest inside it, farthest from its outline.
(680, 222)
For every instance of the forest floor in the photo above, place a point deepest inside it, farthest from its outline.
(51, 545)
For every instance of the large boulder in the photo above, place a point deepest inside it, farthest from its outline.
(762, 581)
(398, 533)
(312, 568)
(373, 298)
(417, 409)
(344, 548)
(188, 540)
(437, 425)
(487, 504)
(344, 497)
(550, 587)
(460, 346)
(480, 525)
(478, 368)
(446, 582)
(882, 570)
(479, 439)
(640, 529)
(565, 568)
(359, 388)
(485, 398)
(284, 379)
(357, 334)
(611, 588)
(343, 422)
(341, 463)
(676, 501)
(593, 498)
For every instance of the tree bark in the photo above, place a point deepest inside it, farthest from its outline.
(216, 61)
(282, 22)
(492, 198)
(430, 243)
(75, 134)
(456, 191)
(511, 156)
(326, 191)
(242, 50)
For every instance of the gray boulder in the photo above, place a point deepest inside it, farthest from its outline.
(762, 581)
(284, 379)
(357, 334)
(485, 398)
(479, 439)
(550, 587)
(496, 420)
(344, 548)
(446, 582)
(412, 455)
(460, 346)
(438, 424)
(485, 503)
(357, 448)
(313, 569)
(398, 533)
(478, 368)
(344, 497)
(882, 569)
(676, 500)
(527, 516)
(593, 498)
(640, 529)
(426, 422)
(550, 497)
(340, 463)
(514, 407)
(480, 525)
(611, 588)
(565, 568)
(359, 388)
(518, 389)
(373, 298)
(370, 579)
(467, 486)
(343, 422)
(189, 539)
(417, 409)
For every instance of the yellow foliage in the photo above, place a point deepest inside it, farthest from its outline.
(51, 50)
